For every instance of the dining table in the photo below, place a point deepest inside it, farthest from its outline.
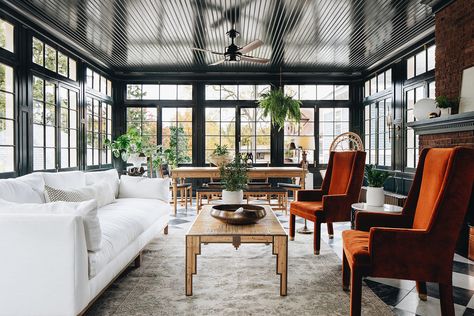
(213, 173)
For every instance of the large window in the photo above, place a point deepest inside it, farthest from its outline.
(318, 92)
(99, 128)
(378, 83)
(220, 129)
(298, 134)
(6, 35)
(68, 124)
(177, 131)
(44, 124)
(243, 92)
(50, 58)
(412, 143)
(332, 122)
(377, 133)
(159, 92)
(7, 120)
(255, 134)
(97, 82)
(421, 62)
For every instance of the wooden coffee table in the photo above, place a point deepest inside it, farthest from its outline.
(207, 229)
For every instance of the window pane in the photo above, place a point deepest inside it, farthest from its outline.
(50, 58)
(38, 50)
(7, 159)
(6, 105)
(373, 85)
(134, 92)
(72, 69)
(381, 82)
(6, 36)
(367, 88)
(62, 64)
(6, 78)
(96, 81)
(325, 92)
(262, 89)
(185, 92)
(308, 92)
(6, 132)
(150, 92)
(228, 92)
(431, 57)
(292, 91)
(342, 92)
(90, 78)
(388, 79)
(420, 63)
(109, 88)
(410, 67)
(168, 92)
(246, 92)
(432, 90)
(213, 92)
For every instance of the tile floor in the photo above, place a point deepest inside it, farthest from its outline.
(401, 295)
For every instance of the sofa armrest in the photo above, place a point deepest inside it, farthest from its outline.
(365, 220)
(309, 195)
(337, 207)
(44, 259)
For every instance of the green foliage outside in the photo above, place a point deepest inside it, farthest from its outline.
(234, 174)
(375, 178)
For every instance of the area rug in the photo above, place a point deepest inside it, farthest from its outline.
(232, 282)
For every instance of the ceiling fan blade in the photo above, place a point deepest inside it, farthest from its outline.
(255, 59)
(250, 46)
(206, 51)
(217, 62)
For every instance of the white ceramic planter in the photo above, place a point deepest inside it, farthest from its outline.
(375, 196)
(232, 197)
(136, 160)
(445, 111)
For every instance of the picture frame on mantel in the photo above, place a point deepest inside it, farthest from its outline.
(466, 102)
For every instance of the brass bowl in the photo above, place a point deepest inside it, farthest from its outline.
(250, 214)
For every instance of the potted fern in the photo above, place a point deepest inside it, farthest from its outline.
(234, 179)
(280, 107)
(220, 155)
(375, 180)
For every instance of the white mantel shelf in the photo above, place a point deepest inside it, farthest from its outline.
(445, 124)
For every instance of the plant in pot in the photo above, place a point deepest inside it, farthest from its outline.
(446, 104)
(375, 180)
(220, 155)
(280, 107)
(129, 147)
(234, 179)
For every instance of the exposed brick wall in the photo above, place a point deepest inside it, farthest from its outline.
(454, 46)
(447, 140)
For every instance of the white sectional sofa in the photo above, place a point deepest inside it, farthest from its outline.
(45, 267)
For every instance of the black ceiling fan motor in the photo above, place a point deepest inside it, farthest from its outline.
(232, 53)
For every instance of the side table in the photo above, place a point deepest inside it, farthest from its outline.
(364, 207)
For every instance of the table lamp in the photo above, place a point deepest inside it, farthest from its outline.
(306, 143)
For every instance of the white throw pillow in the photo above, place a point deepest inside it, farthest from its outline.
(17, 191)
(36, 181)
(87, 210)
(65, 180)
(110, 176)
(101, 192)
(145, 188)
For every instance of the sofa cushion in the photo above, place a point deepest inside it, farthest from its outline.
(109, 176)
(87, 210)
(101, 192)
(356, 247)
(17, 191)
(65, 180)
(145, 188)
(122, 222)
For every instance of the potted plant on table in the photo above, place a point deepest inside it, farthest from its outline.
(280, 107)
(220, 155)
(234, 179)
(129, 147)
(375, 180)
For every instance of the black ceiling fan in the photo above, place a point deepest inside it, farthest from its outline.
(236, 53)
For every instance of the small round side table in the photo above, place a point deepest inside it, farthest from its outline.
(364, 207)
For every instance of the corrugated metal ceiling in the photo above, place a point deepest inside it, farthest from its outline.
(299, 35)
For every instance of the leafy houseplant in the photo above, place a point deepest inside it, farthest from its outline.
(220, 155)
(234, 179)
(375, 180)
(446, 104)
(125, 145)
(280, 107)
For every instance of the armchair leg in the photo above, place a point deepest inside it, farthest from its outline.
(422, 292)
(165, 231)
(292, 226)
(446, 298)
(317, 237)
(330, 231)
(356, 292)
(346, 272)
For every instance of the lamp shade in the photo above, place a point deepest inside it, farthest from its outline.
(306, 142)
(292, 146)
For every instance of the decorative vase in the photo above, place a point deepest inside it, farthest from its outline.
(232, 197)
(136, 160)
(219, 160)
(375, 196)
(445, 111)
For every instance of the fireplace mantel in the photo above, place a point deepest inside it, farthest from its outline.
(445, 124)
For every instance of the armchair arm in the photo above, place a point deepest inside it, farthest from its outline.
(44, 259)
(309, 195)
(337, 207)
(365, 220)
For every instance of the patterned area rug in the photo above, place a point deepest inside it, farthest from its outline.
(232, 282)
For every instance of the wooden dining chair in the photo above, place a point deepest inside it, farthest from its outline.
(419, 243)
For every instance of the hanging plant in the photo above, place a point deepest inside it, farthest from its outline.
(280, 107)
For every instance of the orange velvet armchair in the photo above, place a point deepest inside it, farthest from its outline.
(419, 243)
(332, 203)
